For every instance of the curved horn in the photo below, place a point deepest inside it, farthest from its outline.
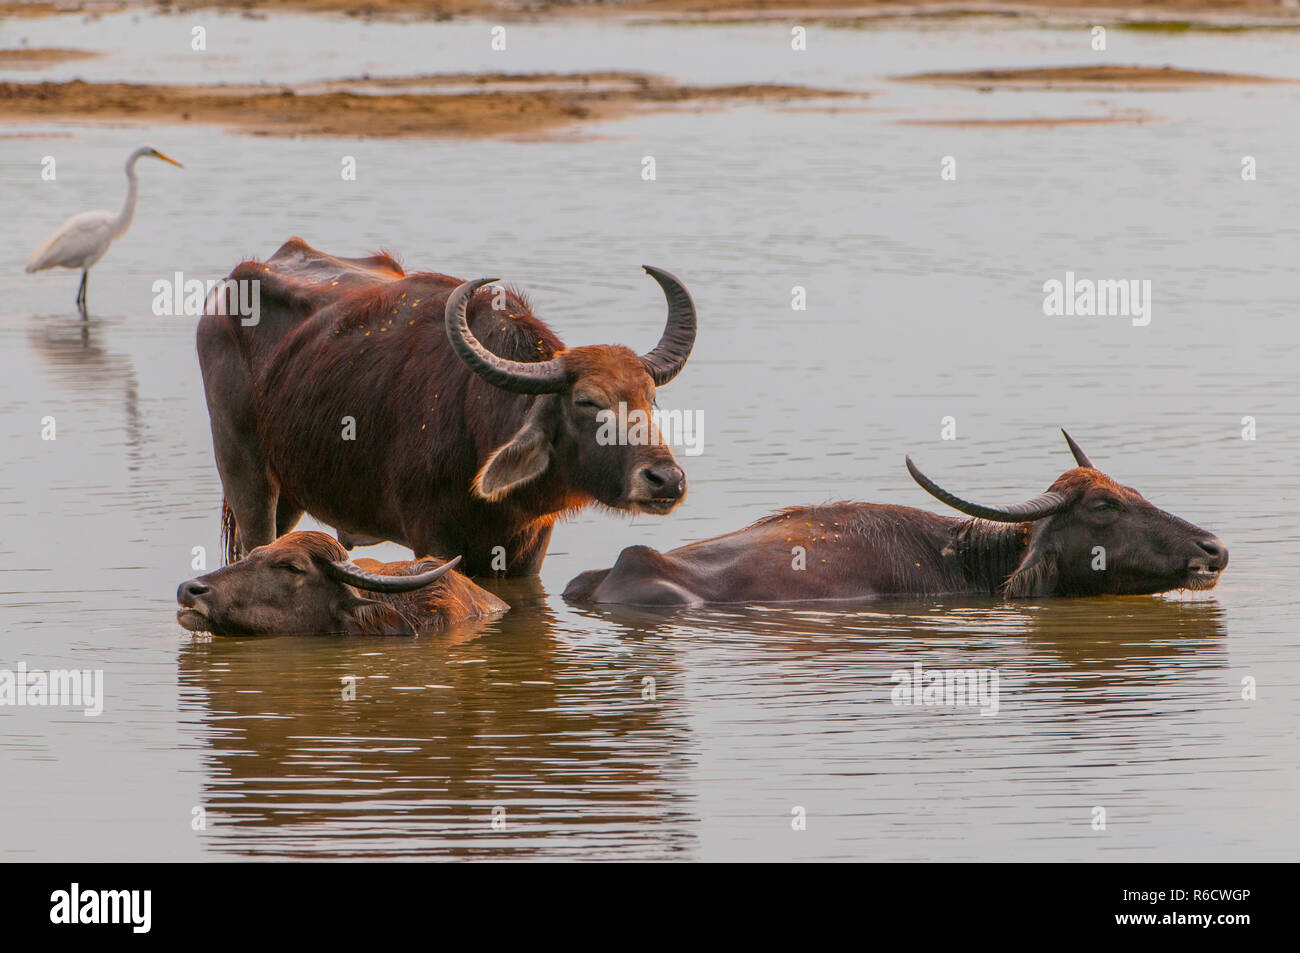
(670, 354)
(1043, 505)
(374, 582)
(1080, 457)
(520, 377)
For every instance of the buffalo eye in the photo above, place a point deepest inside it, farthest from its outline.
(290, 567)
(1104, 506)
(587, 403)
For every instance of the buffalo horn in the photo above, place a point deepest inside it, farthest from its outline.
(1080, 457)
(374, 582)
(520, 377)
(670, 354)
(1035, 509)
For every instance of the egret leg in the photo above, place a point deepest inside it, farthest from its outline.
(81, 290)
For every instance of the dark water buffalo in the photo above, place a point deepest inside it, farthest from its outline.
(304, 584)
(418, 408)
(1087, 535)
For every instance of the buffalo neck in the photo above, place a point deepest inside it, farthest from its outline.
(988, 553)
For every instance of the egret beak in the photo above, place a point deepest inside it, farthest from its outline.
(159, 155)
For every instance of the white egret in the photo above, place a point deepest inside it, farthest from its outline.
(82, 240)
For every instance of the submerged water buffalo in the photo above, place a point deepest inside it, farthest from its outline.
(1087, 535)
(304, 584)
(418, 408)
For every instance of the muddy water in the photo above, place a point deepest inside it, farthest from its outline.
(924, 301)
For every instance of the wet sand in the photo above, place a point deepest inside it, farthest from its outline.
(1114, 78)
(448, 105)
(1177, 14)
(1136, 118)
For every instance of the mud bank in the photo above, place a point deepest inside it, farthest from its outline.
(24, 58)
(446, 105)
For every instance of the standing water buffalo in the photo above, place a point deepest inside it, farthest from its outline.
(418, 408)
(304, 584)
(1086, 535)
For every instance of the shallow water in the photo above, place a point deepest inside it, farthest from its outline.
(924, 301)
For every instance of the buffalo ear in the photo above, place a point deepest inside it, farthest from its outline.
(362, 616)
(1037, 573)
(524, 458)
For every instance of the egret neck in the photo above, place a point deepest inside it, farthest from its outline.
(123, 221)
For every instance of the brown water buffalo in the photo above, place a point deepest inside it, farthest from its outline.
(418, 408)
(1087, 535)
(304, 584)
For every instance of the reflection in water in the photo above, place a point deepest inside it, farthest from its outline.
(1094, 640)
(1119, 643)
(441, 732)
(517, 713)
(79, 361)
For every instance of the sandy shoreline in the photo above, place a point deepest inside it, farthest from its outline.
(34, 58)
(422, 106)
(473, 105)
(1175, 13)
